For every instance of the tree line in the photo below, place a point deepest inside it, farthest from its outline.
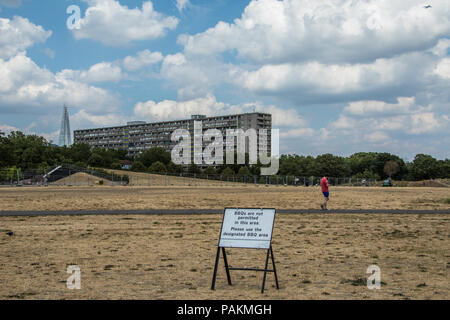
(18, 150)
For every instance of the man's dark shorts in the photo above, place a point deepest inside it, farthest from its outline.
(326, 194)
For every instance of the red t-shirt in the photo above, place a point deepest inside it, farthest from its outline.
(324, 184)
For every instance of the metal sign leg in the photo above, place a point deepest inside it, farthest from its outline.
(265, 271)
(274, 269)
(226, 266)
(215, 269)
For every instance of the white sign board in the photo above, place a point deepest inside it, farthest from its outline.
(247, 228)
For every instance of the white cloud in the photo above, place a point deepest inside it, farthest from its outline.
(293, 31)
(51, 137)
(182, 4)
(6, 129)
(424, 122)
(111, 23)
(24, 84)
(443, 68)
(365, 108)
(100, 72)
(296, 133)
(18, 34)
(170, 109)
(193, 78)
(209, 106)
(376, 136)
(314, 78)
(84, 119)
(142, 59)
(375, 119)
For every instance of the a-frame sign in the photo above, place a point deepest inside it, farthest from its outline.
(249, 228)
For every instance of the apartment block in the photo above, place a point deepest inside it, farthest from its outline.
(138, 136)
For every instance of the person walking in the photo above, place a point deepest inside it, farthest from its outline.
(325, 191)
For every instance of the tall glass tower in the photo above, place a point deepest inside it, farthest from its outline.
(65, 138)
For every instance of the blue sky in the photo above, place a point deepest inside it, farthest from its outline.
(339, 77)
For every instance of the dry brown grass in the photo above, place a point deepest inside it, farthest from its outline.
(171, 257)
(81, 179)
(128, 198)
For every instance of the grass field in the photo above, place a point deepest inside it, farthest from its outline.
(319, 256)
(128, 198)
(172, 257)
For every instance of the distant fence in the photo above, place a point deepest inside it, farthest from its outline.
(63, 176)
(74, 176)
(191, 179)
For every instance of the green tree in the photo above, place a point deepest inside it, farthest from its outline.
(116, 166)
(7, 155)
(424, 167)
(331, 166)
(194, 169)
(210, 170)
(174, 168)
(228, 172)
(153, 155)
(80, 152)
(96, 160)
(157, 167)
(138, 166)
(244, 171)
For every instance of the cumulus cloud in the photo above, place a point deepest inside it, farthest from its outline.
(114, 24)
(365, 108)
(377, 119)
(292, 31)
(443, 68)
(24, 84)
(317, 81)
(142, 59)
(209, 106)
(84, 119)
(193, 77)
(19, 34)
(100, 72)
(170, 109)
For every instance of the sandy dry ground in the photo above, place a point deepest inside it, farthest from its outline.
(171, 257)
(128, 198)
(80, 179)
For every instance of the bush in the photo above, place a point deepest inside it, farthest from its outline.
(244, 171)
(210, 170)
(138, 166)
(193, 168)
(228, 172)
(116, 166)
(158, 167)
(174, 168)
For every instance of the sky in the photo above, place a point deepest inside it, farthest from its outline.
(339, 77)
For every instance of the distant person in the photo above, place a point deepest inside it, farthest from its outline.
(325, 191)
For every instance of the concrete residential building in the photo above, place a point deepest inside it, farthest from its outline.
(137, 136)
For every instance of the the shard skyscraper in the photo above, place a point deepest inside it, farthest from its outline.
(65, 138)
